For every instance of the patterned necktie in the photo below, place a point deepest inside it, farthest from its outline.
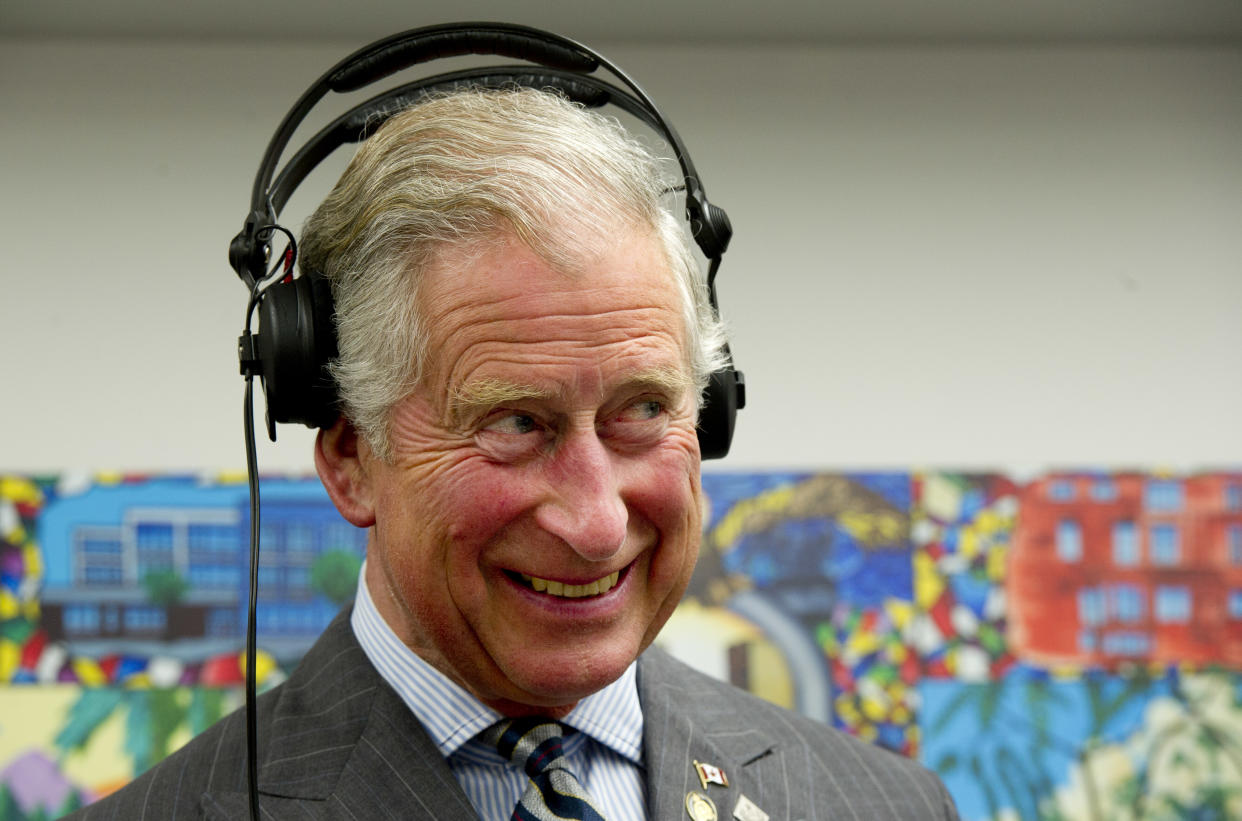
(554, 793)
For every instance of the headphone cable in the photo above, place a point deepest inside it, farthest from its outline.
(250, 365)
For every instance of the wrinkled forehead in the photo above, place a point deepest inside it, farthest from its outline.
(489, 300)
(501, 264)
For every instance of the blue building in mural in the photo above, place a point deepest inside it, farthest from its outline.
(160, 566)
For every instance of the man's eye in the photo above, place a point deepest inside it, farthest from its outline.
(644, 410)
(513, 424)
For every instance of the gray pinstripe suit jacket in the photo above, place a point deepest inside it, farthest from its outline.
(335, 741)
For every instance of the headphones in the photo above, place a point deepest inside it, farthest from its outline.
(297, 335)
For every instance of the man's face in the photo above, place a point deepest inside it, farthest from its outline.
(540, 517)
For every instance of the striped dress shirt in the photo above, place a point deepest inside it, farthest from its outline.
(606, 753)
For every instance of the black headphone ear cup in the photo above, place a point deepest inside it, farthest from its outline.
(724, 395)
(296, 340)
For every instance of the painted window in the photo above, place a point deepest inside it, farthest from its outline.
(1103, 490)
(81, 619)
(271, 538)
(99, 561)
(100, 546)
(1090, 606)
(299, 538)
(215, 576)
(1126, 643)
(1127, 603)
(1125, 544)
(154, 562)
(1061, 490)
(213, 538)
(1233, 497)
(1165, 545)
(1235, 604)
(1069, 540)
(1163, 495)
(101, 576)
(1173, 604)
(144, 619)
(222, 623)
(154, 536)
(1233, 536)
(343, 536)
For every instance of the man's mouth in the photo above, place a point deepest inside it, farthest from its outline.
(571, 591)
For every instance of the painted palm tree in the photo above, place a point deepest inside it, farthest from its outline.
(152, 718)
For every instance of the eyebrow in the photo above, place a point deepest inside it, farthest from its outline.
(489, 393)
(479, 395)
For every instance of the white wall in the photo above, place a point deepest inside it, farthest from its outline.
(945, 257)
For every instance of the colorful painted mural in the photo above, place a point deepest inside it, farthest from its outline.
(1061, 648)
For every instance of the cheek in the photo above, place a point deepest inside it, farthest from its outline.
(669, 495)
(476, 499)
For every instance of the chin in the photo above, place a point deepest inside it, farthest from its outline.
(570, 677)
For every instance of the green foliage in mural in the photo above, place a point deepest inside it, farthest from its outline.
(165, 587)
(334, 575)
(152, 718)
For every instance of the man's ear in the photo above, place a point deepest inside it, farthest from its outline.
(340, 463)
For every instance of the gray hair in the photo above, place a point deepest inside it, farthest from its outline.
(464, 168)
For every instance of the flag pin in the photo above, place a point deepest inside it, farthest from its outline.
(709, 774)
(747, 811)
(699, 807)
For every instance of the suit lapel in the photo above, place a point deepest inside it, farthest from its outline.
(340, 742)
(684, 721)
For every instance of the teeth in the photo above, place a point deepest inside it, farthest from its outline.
(572, 591)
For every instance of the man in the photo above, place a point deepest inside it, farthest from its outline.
(524, 337)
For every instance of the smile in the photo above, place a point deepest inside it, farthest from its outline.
(571, 591)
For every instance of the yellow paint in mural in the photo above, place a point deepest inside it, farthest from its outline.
(231, 477)
(996, 563)
(872, 528)
(861, 643)
(874, 709)
(8, 605)
(989, 522)
(20, 491)
(928, 583)
(770, 678)
(34, 560)
(733, 526)
(968, 542)
(705, 636)
(109, 477)
(10, 657)
(264, 664)
(1066, 672)
(88, 672)
(900, 612)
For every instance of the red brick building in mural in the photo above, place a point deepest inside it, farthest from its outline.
(1112, 568)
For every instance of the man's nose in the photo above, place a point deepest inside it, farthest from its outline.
(584, 506)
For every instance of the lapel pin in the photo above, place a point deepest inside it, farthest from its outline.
(709, 774)
(699, 807)
(747, 811)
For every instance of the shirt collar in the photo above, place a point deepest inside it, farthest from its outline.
(452, 716)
